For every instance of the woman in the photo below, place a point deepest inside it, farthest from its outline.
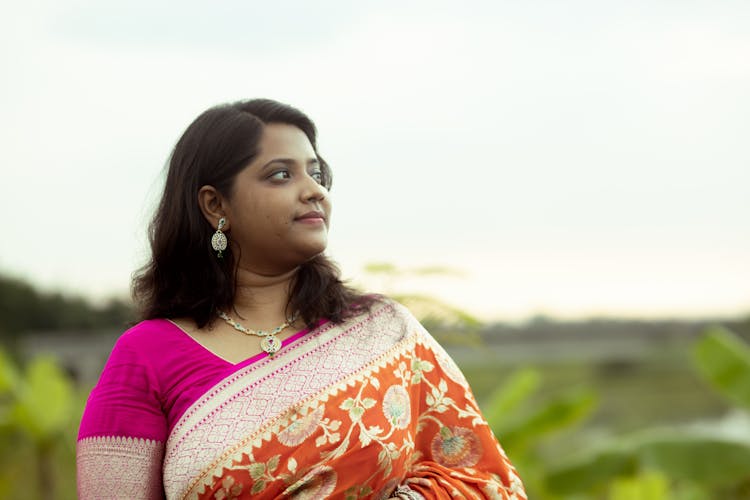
(255, 370)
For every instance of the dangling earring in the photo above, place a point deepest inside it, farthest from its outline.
(219, 239)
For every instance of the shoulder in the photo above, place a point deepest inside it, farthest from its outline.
(145, 343)
(147, 329)
(397, 318)
(127, 398)
(389, 313)
(145, 335)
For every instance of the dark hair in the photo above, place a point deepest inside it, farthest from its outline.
(184, 278)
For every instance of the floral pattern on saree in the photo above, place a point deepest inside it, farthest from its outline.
(404, 417)
(368, 436)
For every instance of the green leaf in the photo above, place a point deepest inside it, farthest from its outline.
(381, 268)
(695, 457)
(257, 470)
(45, 401)
(273, 463)
(724, 360)
(356, 413)
(258, 487)
(445, 433)
(418, 366)
(368, 403)
(347, 404)
(688, 455)
(558, 413)
(593, 469)
(646, 486)
(9, 378)
(514, 391)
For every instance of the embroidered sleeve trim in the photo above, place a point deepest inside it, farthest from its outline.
(119, 467)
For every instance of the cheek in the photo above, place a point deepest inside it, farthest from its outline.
(279, 227)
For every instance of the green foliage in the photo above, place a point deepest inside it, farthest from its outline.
(39, 409)
(381, 268)
(592, 470)
(448, 323)
(24, 309)
(520, 386)
(692, 456)
(646, 486)
(724, 360)
(553, 415)
(685, 463)
(431, 309)
(386, 268)
(681, 456)
(8, 375)
(44, 401)
(522, 423)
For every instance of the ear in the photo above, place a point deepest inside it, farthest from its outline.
(213, 205)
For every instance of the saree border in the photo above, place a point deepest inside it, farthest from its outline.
(302, 408)
(138, 459)
(247, 379)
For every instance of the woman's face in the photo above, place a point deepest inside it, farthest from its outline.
(278, 212)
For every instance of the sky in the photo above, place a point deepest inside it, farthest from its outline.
(578, 158)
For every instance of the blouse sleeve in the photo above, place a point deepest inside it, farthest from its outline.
(456, 454)
(123, 429)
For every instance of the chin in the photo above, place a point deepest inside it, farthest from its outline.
(311, 250)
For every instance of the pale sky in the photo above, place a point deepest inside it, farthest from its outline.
(570, 158)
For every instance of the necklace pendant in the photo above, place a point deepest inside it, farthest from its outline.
(270, 344)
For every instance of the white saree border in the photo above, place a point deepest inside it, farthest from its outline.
(244, 408)
(136, 464)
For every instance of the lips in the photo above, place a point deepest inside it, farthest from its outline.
(312, 215)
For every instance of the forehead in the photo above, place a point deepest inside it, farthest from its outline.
(281, 139)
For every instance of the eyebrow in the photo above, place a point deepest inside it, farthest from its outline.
(290, 162)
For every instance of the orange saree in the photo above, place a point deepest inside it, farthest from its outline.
(372, 408)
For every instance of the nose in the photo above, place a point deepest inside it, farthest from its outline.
(313, 190)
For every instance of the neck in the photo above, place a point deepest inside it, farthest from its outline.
(263, 297)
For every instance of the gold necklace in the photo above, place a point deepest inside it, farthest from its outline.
(269, 343)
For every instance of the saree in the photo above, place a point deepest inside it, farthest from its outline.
(371, 408)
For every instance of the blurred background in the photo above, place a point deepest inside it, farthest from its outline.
(558, 189)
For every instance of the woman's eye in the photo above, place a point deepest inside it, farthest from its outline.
(318, 176)
(279, 175)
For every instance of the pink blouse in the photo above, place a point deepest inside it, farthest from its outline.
(155, 372)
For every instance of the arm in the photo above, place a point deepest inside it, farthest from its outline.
(123, 429)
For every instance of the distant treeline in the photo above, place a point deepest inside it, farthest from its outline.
(543, 328)
(23, 309)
